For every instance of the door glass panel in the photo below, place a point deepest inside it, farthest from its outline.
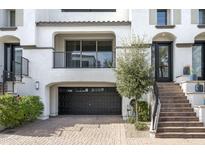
(196, 60)
(8, 51)
(163, 61)
(17, 60)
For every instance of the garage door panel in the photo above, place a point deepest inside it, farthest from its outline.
(89, 102)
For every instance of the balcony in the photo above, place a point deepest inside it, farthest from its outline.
(21, 69)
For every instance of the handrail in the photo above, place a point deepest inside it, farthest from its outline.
(20, 69)
(25, 66)
(156, 107)
(64, 60)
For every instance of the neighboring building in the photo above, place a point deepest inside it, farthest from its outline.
(69, 55)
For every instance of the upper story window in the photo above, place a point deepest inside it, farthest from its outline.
(85, 54)
(88, 10)
(162, 17)
(202, 16)
(11, 18)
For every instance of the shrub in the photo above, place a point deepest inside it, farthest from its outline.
(15, 111)
(143, 111)
(31, 106)
(141, 125)
(131, 120)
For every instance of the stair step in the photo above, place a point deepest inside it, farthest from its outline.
(180, 124)
(181, 135)
(176, 109)
(177, 114)
(181, 129)
(174, 101)
(178, 118)
(179, 95)
(173, 97)
(174, 105)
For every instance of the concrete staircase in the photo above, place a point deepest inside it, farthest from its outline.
(177, 118)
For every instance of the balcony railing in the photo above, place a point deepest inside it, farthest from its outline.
(84, 59)
(19, 70)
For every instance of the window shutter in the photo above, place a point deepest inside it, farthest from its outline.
(194, 16)
(153, 17)
(19, 17)
(177, 16)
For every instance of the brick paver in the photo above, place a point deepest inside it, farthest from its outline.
(84, 130)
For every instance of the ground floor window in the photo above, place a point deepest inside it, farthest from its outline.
(198, 60)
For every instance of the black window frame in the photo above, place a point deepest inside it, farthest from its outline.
(112, 63)
(202, 22)
(166, 17)
(88, 10)
(12, 18)
(202, 44)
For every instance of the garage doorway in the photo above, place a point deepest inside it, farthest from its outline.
(89, 101)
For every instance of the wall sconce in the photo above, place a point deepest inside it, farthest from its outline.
(37, 85)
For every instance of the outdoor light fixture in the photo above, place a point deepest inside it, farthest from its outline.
(37, 85)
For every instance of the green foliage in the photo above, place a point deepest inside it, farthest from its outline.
(143, 111)
(31, 106)
(141, 126)
(15, 111)
(131, 120)
(133, 70)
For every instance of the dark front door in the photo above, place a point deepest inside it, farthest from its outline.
(163, 61)
(12, 60)
(198, 60)
(89, 101)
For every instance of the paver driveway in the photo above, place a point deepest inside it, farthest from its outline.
(84, 130)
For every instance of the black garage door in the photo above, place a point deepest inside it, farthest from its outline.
(89, 101)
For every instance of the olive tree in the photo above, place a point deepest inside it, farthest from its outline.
(133, 70)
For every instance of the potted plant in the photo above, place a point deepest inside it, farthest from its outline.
(199, 87)
(186, 70)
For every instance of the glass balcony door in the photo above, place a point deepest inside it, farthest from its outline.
(13, 54)
(163, 62)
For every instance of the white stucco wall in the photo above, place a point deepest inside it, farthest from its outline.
(57, 15)
(27, 32)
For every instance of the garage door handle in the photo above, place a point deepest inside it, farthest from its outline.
(89, 104)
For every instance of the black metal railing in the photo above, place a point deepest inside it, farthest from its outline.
(8, 76)
(83, 59)
(156, 104)
(19, 70)
(25, 66)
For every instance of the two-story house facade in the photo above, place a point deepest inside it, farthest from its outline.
(68, 57)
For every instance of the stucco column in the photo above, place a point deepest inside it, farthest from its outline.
(45, 98)
(54, 101)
